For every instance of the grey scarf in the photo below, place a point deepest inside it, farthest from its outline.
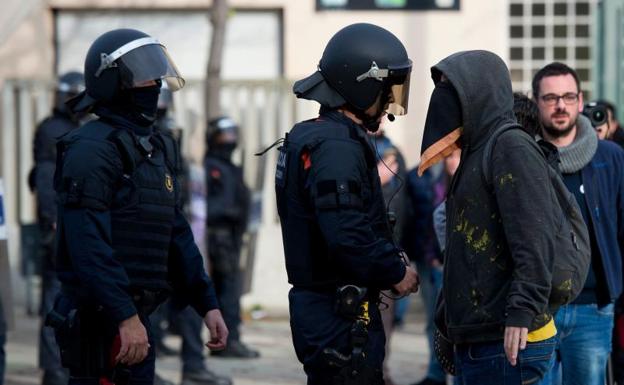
(580, 152)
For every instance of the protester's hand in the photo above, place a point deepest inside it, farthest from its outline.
(515, 340)
(134, 343)
(218, 330)
(409, 283)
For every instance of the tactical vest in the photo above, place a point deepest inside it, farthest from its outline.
(143, 205)
(309, 263)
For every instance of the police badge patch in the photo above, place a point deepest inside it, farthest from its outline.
(169, 182)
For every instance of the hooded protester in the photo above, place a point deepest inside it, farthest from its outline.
(499, 249)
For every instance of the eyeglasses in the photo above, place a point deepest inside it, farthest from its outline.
(552, 99)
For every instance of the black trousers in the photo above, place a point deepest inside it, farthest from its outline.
(315, 327)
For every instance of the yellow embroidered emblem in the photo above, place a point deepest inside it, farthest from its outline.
(169, 182)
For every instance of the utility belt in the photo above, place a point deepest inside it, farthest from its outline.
(147, 301)
(88, 337)
(352, 303)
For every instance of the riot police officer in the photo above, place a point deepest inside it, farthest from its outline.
(41, 181)
(226, 223)
(189, 324)
(123, 244)
(337, 242)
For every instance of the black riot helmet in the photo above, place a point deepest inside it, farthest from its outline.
(361, 63)
(67, 86)
(221, 130)
(124, 59)
(222, 137)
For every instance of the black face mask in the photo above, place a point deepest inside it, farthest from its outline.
(140, 104)
(223, 150)
(443, 116)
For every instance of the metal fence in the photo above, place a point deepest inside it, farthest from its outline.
(265, 110)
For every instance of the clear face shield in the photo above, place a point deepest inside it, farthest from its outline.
(399, 80)
(396, 85)
(142, 60)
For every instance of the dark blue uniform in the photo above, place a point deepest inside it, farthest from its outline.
(226, 222)
(123, 243)
(335, 232)
(44, 151)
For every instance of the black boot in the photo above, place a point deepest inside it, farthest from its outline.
(236, 349)
(204, 377)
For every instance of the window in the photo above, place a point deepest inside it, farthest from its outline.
(582, 30)
(542, 31)
(516, 9)
(560, 53)
(561, 9)
(560, 31)
(582, 53)
(516, 31)
(582, 9)
(538, 53)
(538, 31)
(538, 9)
(516, 53)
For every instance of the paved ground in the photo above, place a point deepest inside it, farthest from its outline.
(277, 366)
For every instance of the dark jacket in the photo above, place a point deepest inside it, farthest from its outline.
(332, 210)
(618, 136)
(227, 213)
(603, 179)
(101, 206)
(499, 250)
(44, 151)
(419, 237)
(228, 196)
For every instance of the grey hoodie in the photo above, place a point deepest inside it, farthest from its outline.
(499, 246)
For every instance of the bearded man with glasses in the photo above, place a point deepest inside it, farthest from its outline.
(592, 171)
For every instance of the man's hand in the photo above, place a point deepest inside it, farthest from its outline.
(134, 344)
(515, 339)
(218, 331)
(409, 283)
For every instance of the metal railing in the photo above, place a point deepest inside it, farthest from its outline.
(265, 110)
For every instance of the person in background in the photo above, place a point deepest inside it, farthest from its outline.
(391, 169)
(592, 172)
(424, 194)
(41, 181)
(611, 129)
(181, 318)
(227, 216)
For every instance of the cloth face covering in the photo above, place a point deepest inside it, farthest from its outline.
(442, 127)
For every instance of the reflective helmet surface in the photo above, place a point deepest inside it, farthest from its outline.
(222, 125)
(67, 86)
(125, 58)
(358, 63)
(72, 82)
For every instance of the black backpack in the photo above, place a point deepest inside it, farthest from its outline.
(572, 244)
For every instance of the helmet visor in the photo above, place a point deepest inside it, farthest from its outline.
(399, 91)
(149, 62)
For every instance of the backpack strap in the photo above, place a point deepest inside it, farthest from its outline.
(486, 162)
